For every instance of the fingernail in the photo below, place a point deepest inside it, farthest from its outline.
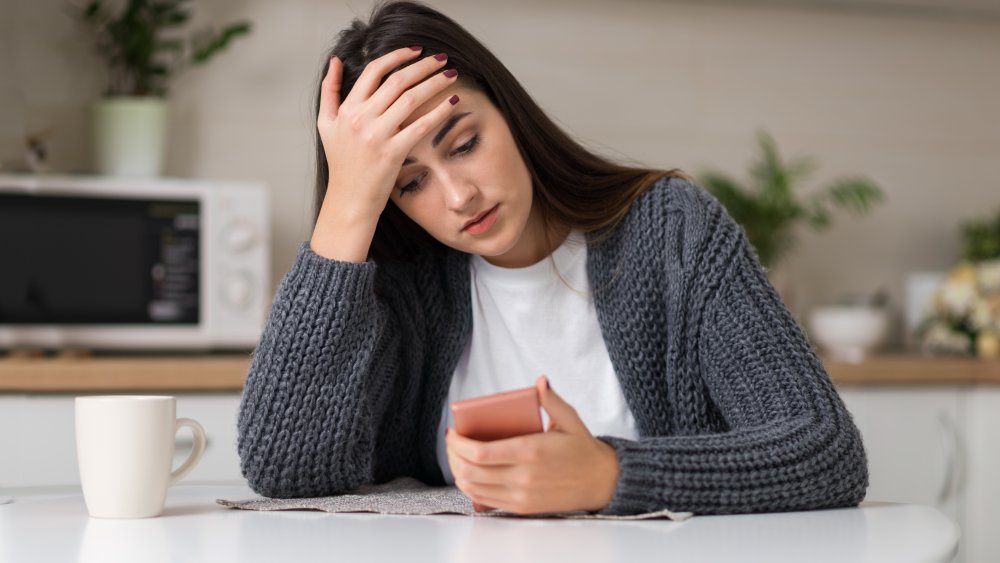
(547, 385)
(450, 73)
(453, 100)
(416, 47)
(441, 56)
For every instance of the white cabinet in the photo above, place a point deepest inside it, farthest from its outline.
(936, 445)
(38, 446)
(982, 478)
(913, 438)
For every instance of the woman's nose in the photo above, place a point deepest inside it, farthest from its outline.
(459, 193)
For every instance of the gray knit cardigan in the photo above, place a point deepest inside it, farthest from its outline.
(734, 410)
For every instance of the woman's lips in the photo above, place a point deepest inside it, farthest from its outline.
(483, 224)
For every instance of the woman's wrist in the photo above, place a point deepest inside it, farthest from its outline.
(606, 476)
(343, 236)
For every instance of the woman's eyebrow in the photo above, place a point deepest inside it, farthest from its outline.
(452, 121)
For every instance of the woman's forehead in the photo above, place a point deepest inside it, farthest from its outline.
(469, 100)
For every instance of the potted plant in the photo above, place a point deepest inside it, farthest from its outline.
(769, 208)
(143, 51)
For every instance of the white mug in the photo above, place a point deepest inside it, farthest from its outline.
(125, 449)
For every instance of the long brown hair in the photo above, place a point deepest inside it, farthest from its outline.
(574, 187)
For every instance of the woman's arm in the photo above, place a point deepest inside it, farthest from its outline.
(319, 383)
(791, 444)
(324, 373)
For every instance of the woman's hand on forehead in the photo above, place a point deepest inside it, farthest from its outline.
(365, 146)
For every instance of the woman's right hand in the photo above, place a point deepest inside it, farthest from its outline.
(365, 146)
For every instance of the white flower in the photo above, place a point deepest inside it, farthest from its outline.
(941, 339)
(993, 304)
(981, 315)
(967, 302)
(988, 274)
(955, 298)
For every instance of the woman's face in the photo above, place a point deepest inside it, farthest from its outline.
(469, 168)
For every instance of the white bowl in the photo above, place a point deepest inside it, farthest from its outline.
(849, 333)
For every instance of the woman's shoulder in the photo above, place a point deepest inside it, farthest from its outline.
(678, 194)
(676, 216)
(674, 206)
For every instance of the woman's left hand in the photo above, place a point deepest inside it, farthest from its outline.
(564, 469)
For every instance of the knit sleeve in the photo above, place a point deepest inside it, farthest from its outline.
(789, 443)
(319, 382)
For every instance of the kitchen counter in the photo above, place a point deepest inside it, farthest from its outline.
(903, 369)
(61, 374)
(41, 526)
(227, 372)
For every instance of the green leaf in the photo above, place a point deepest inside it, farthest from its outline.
(856, 195)
(819, 215)
(175, 19)
(730, 194)
(770, 174)
(981, 239)
(206, 44)
(92, 9)
(800, 168)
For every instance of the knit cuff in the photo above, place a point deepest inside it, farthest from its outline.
(333, 279)
(633, 483)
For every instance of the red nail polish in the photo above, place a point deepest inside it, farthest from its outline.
(450, 72)
(416, 47)
(453, 100)
(441, 56)
(547, 385)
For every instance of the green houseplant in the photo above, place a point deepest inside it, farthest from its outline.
(981, 238)
(769, 208)
(142, 47)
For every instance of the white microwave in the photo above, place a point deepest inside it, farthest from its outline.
(109, 263)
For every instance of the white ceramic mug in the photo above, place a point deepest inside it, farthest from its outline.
(125, 449)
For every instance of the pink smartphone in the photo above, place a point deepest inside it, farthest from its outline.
(498, 416)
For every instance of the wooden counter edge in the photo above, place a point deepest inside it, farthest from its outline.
(228, 372)
(903, 369)
(57, 375)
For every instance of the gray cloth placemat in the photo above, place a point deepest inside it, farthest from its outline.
(406, 495)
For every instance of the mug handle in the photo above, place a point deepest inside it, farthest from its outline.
(196, 451)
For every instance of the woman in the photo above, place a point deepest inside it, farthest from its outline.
(463, 245)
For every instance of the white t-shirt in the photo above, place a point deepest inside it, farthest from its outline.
(527, 322)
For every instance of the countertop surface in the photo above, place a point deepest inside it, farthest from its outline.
(53, 525)
(227, 372)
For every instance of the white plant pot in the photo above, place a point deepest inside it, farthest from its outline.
(129, 136)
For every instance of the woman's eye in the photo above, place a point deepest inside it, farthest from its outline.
(461, 151)
(467, 147)
(413, 185)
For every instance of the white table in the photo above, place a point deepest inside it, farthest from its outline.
(49, 526)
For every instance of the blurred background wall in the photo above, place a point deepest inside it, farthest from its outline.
(906, 92)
